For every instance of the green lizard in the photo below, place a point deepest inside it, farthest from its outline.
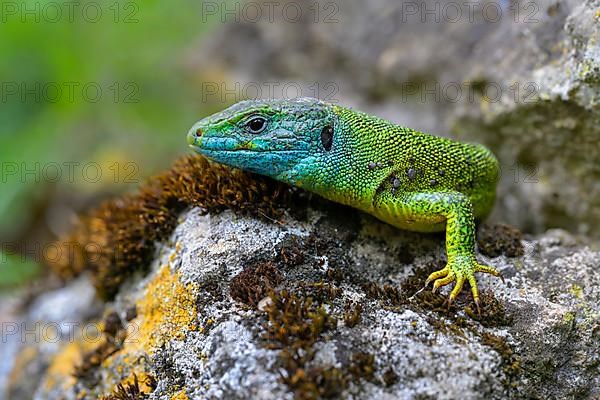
(406, 178)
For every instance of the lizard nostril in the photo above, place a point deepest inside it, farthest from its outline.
(199, 132)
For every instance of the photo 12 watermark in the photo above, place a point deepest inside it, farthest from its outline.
(68, 172)
(53, 12)
(229, 92)
(61, 332)
(520, 174)
(48, 253)
(470, 92)
(526, 12)
(69, 92)
(270, 11)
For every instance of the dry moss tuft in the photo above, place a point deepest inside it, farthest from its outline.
(91, 360)
(363, 365)
(254, 283)
(295, 321)
(352, 314)
(427, 299)
(500, 239)
(511, 364)
(294, 325)
(493, 313)
(321, 291)
(113, 335)
(390, 296)
(389, 377)
(118, 237)
(132, 390)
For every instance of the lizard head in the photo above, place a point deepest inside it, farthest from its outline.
(284, 139)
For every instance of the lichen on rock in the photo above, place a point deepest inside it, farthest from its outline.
(318, 306)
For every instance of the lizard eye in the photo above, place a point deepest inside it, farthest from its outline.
(327, 137)
(256, 125)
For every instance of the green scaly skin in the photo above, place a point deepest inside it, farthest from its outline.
(406, 178)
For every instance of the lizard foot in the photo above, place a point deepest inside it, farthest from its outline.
(460, 269)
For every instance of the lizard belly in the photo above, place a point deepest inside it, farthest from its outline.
(402, 217)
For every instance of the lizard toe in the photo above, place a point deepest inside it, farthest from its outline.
(443, 281)
(436, 275)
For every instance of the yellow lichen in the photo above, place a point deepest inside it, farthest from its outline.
(569, 317)
(576, 290)
(167, 311)
(62, 365)
(25, 357)
(179, 395)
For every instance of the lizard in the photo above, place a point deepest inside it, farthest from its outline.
(409, 179)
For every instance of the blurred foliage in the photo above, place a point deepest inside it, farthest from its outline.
(52, 64)
(15, 269)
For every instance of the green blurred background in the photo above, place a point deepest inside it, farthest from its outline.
(58, 130)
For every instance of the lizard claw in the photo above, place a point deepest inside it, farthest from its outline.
(448, 305)
(478, 308)
(460, 269)
(418, 292)
(431, 278)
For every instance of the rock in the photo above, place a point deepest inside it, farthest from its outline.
(520, 77)
(338, 321)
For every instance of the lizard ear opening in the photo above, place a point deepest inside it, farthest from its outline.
(327, 137)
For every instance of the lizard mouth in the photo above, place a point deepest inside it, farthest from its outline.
(209, 152)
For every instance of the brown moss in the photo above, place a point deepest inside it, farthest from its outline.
(392, 297)
(389, 296)
(352, 314)
(132, 390)
(292, 252)
(492, 311)
(432, 301)
(295, 321)
(91, 360)
(389, 377)
(362, 365)
(335, 275)
(294, 325)
(317, 383)
(321, 292)
(511, 364)
(254, 283)
(112, 340)
(500, 239)
(118, 237)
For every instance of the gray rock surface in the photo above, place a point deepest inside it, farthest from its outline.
(538, 335)
(521, 77)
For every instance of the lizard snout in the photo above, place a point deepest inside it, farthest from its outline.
(194, 134)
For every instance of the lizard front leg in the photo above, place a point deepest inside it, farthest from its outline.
(457, 211)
